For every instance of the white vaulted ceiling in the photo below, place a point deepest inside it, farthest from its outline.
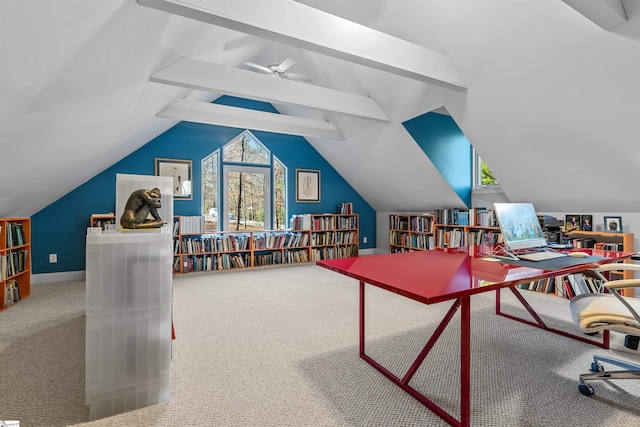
(548, 93)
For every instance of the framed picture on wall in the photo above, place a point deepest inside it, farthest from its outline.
(572, 222)
(613, 224)
(307, 185)
(586, 222)
(180, 171)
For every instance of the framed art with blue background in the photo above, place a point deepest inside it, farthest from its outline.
(613, 224)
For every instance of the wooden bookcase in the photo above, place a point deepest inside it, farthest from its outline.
(334, 236)
(568, 286)
(410, 232)
(102, 220)
(327, 236)
(615, 241)
(239, 249)
(15, 260)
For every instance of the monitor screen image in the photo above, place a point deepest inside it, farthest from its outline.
(519, 225)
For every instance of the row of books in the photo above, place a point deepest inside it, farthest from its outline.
(420, 223)
(347, 222)
(326, 238)
(345, 208)
(609, 246)
(566, 286)
(346, 237)
(325, 252)
(483, 237)
(482, 217)
(312, 222)
(347, 251)
(189, 225)
(280, 240)
(322, 222)
(423, 224)
(286, 257)
(300, 222)
(12, 293)
(15, 235)
(474, 217)
(209, 262)
(450, 238)
(418, 241)
(452, 216)
(398, 222)
(214, 243)
(13, 262)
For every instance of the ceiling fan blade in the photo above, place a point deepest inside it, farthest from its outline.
(300, 77)
(259, 67)
(286, 64)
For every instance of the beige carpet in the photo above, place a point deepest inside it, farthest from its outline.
(279, 347)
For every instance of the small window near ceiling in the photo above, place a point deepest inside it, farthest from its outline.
(482, 175)
(246, 149)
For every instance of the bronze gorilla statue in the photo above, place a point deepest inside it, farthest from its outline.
(141, 203)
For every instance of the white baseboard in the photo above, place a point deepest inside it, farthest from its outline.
(64, 276)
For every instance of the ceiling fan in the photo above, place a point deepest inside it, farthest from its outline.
(280, 70)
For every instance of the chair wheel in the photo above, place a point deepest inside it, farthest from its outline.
(586, 390)
(596, 367)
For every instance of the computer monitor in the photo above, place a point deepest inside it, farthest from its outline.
(520, 226)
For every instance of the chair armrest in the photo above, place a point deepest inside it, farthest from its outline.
(619, 266)
(615, 285)
(622, 283)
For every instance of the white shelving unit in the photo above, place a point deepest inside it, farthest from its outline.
(128, 329)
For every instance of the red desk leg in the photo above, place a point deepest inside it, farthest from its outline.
(465, 361)
(539, 323)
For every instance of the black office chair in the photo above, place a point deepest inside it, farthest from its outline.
(609, 311)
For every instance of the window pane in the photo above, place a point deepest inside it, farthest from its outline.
(246, 200)
(246, 149)
(210, 191)
(487, 176)
(279, 195)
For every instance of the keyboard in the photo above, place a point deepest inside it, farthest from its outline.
(541, 256)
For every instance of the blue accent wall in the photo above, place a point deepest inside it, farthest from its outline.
(441, 139)
(60, 228)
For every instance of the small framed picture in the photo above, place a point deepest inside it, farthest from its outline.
(613, 224)
(307, 185)
(586, 222)
(572, 222)
(180, 171)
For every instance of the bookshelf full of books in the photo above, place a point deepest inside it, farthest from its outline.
(457, 227)
(444, 228)
(331, 235)
(15, 260)
(230, 250)
(570, 285)
(607, 241)
(310, 237)
(411, 232)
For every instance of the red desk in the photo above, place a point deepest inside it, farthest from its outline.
(452, 275)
